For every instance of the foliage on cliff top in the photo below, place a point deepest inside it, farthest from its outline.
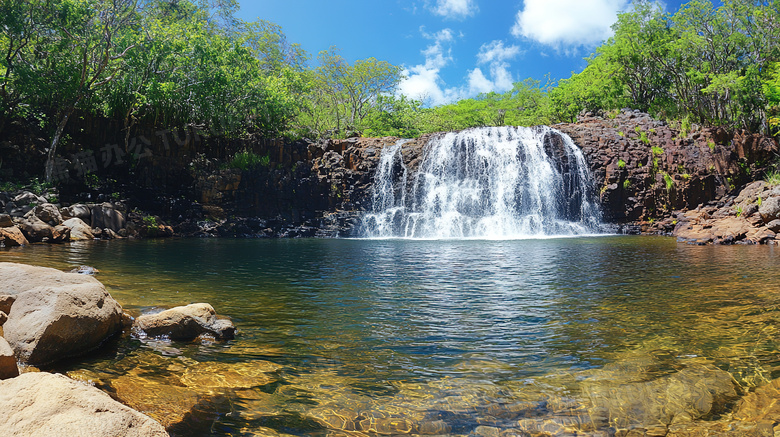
(191, 63)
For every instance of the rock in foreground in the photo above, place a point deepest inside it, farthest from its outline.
(186, 323)
(55, 314)
(44, 404)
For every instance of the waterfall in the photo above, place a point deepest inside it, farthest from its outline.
(491, 183)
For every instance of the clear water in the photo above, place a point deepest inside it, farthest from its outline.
(418, 331)
(493, 182)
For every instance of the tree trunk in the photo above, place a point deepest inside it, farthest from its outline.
(55, 142)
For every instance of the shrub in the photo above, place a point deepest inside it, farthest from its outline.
(246, 159)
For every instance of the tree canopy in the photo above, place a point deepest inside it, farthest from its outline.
(174, 63)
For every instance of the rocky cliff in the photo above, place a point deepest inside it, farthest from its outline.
(647, 175)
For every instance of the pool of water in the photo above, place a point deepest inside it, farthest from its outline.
(419, 337)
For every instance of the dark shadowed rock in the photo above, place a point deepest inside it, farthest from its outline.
(56, 314)
(105, 216)
(44, 404)
(6, 301)
(8, 367)
(185, 323)
(6, 221)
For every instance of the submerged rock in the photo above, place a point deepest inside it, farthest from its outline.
(85, 270)
(56, 314)
(186, 323)
(44, 404)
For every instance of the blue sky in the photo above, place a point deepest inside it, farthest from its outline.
(451, 49)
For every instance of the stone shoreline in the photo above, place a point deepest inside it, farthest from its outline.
(47, 316)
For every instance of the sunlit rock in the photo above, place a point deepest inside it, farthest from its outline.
(12, 236)
(79, 230)
(55, 314)
(185, 323)
(43, 404)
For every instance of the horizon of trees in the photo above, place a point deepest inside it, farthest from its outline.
(192, 63)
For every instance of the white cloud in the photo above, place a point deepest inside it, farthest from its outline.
(496, 55)
(423, 81)
(568, 24)
(496, 52)
(455, 9)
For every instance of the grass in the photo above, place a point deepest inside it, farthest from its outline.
(711, 145)
(246, 159)
(772, 178)
(669, 182)
(621, 163)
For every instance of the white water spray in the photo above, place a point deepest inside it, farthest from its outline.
(491, 183)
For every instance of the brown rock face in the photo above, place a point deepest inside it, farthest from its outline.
(43, 404)
(56, 314)
(186, 323)
(12, 237)
(644, 169)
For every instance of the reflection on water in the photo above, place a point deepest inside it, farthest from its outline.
(427, 337)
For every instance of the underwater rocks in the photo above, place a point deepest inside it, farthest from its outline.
(180, 393)
(44, 404)
(55, 315)
(185, 323)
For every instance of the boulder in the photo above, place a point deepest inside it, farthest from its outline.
(36, 230)
(28, 198)
(106, 216)
(79, 230)
(185, 323)
(48, 213)
(61, 234)
(12, 236)
(44, 404)
(770, 209)
(78, 210)
(6, 221)
(8, 367)
(56, 314)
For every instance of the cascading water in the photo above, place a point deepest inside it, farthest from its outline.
(492, 183)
